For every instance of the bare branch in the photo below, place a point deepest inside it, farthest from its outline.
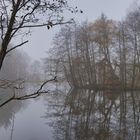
(34, 95)
(45, 24)
(54, 79)
(29, 96)
(23, 4)
(23, 20)
(7, 101)
(13, 48)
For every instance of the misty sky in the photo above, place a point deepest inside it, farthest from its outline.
(41, 39)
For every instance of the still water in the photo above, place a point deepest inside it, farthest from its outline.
(73, 115)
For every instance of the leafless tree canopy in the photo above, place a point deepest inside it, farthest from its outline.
(104, 53)
(16, 15)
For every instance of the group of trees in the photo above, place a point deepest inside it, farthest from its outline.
(15, 68)
(105, 52)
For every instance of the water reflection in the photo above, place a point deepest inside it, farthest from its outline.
(77, 115)
(8, 110)
(21, 120)
(7, 113)
(95, 115)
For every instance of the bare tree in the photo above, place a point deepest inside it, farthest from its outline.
(18, 16)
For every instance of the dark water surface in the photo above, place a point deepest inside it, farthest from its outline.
(73, 115)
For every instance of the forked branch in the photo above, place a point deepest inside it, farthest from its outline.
(29, 96)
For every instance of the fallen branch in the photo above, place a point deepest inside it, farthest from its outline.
(34, 95)
(29, 96)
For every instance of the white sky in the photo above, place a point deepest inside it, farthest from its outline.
(41, 39)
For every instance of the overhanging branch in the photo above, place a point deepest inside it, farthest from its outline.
(30, 96)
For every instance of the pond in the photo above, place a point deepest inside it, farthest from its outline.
(74, 115)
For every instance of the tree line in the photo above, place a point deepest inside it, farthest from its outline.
(103, 53)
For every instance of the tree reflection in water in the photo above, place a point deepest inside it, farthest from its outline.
(8, 111)
(7, 115)
(95, 115)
